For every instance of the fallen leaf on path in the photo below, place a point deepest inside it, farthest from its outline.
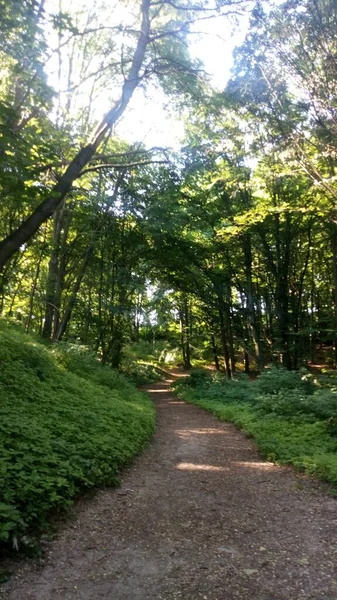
(250, 571)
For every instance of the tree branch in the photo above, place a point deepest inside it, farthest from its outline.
(122, 166)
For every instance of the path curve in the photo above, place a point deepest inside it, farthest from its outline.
(199, 516)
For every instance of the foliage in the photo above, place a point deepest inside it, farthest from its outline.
(198, 377)
(67, 424)
(140, 373)
(292, 420)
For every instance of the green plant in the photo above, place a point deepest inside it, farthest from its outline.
(198, 377)
(66, 424)
(278, 379)
(140, 373)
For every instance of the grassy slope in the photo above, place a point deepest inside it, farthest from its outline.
(66, 424)
(291, 420)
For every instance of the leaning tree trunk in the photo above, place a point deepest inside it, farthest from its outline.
(12, 243)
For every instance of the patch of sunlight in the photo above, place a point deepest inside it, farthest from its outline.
(174, 402)
(193, 467)
(159, 390)
(263, 466)
(179, 374)
(203, 431)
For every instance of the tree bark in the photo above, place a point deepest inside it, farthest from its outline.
(281, 292)
(223, 336)
(185, 332)
(334, 271)
(52, 273)
(32, 293)
(228, 308)
(252, 323)
(71, 302)
(61, 271)
(215, 352)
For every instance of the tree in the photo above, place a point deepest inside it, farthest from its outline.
(158, 51)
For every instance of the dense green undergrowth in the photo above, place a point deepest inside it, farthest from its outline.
(66, 424)
(291, 415)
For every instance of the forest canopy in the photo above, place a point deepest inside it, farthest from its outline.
(226, 248)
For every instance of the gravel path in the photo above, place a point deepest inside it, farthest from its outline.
(199, 515)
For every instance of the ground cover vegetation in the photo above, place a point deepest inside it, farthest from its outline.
(292, 415)
(224, 251)
(67, 424)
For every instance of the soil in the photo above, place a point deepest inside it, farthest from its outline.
(198, 515)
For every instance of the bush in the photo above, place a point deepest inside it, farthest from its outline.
(198, 377)
(277, 379)
(67, 424)
(140, 373)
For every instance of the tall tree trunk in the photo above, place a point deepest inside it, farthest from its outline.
(185, 332)
(53, 272)
(223, 337)
(72, 299)
(229, 319)
(252, 323)
(100, 343)
(137, 317)
(334, 272)
(182, 344)
(246, 361)
(297, 304)
(311, 308)
(282, 291)
(61, 271)
(87, 320)
(215, 352)
(282, 310)
(33, 290)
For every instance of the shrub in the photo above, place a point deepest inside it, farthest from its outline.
(140, 373)
(279, 379)
(198, 377)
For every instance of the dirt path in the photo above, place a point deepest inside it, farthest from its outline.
(199, 515)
